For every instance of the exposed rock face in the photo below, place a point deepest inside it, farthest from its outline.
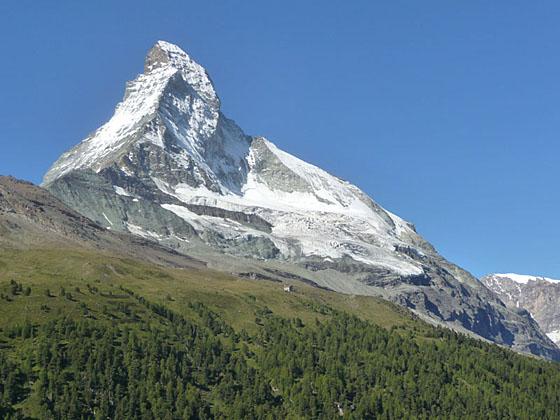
(170, 166)
(539, 295)
(31, 217)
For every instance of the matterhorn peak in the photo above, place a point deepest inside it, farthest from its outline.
(167, 55)
(173, 98)
(164, 52)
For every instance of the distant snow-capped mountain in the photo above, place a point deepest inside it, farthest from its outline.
(539, 295)
(170, 166)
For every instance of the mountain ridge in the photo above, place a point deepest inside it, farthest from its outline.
(538, 295)
(31, 217)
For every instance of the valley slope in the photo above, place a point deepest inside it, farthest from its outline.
(95, 324)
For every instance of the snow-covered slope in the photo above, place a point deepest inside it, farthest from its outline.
(170, 166)
(520, 278)
(173, 107)
(539, 295)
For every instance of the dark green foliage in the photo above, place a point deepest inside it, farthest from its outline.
(138, 359)
(12, 387)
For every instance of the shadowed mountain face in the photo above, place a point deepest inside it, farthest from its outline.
(169, 166)
(538, 295)
(31, 217)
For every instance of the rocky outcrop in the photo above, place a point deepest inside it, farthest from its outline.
(31, 217)
(538, 295)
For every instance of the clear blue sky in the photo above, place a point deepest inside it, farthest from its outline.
(446, 113)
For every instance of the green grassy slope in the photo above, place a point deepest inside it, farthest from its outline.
(88, 335)
(236, 300)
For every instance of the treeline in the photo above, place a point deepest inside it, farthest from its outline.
(164, 366)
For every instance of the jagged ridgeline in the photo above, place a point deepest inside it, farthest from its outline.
(169, 166)
(539, 295)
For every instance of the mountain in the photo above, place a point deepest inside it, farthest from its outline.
(539, 295)
(169, 166)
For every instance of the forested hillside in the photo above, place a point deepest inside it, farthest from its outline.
(89, 336)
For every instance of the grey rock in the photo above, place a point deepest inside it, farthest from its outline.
(538, 296)
(32, 218)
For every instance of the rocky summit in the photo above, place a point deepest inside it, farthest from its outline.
(170, 167)
(538, 295)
